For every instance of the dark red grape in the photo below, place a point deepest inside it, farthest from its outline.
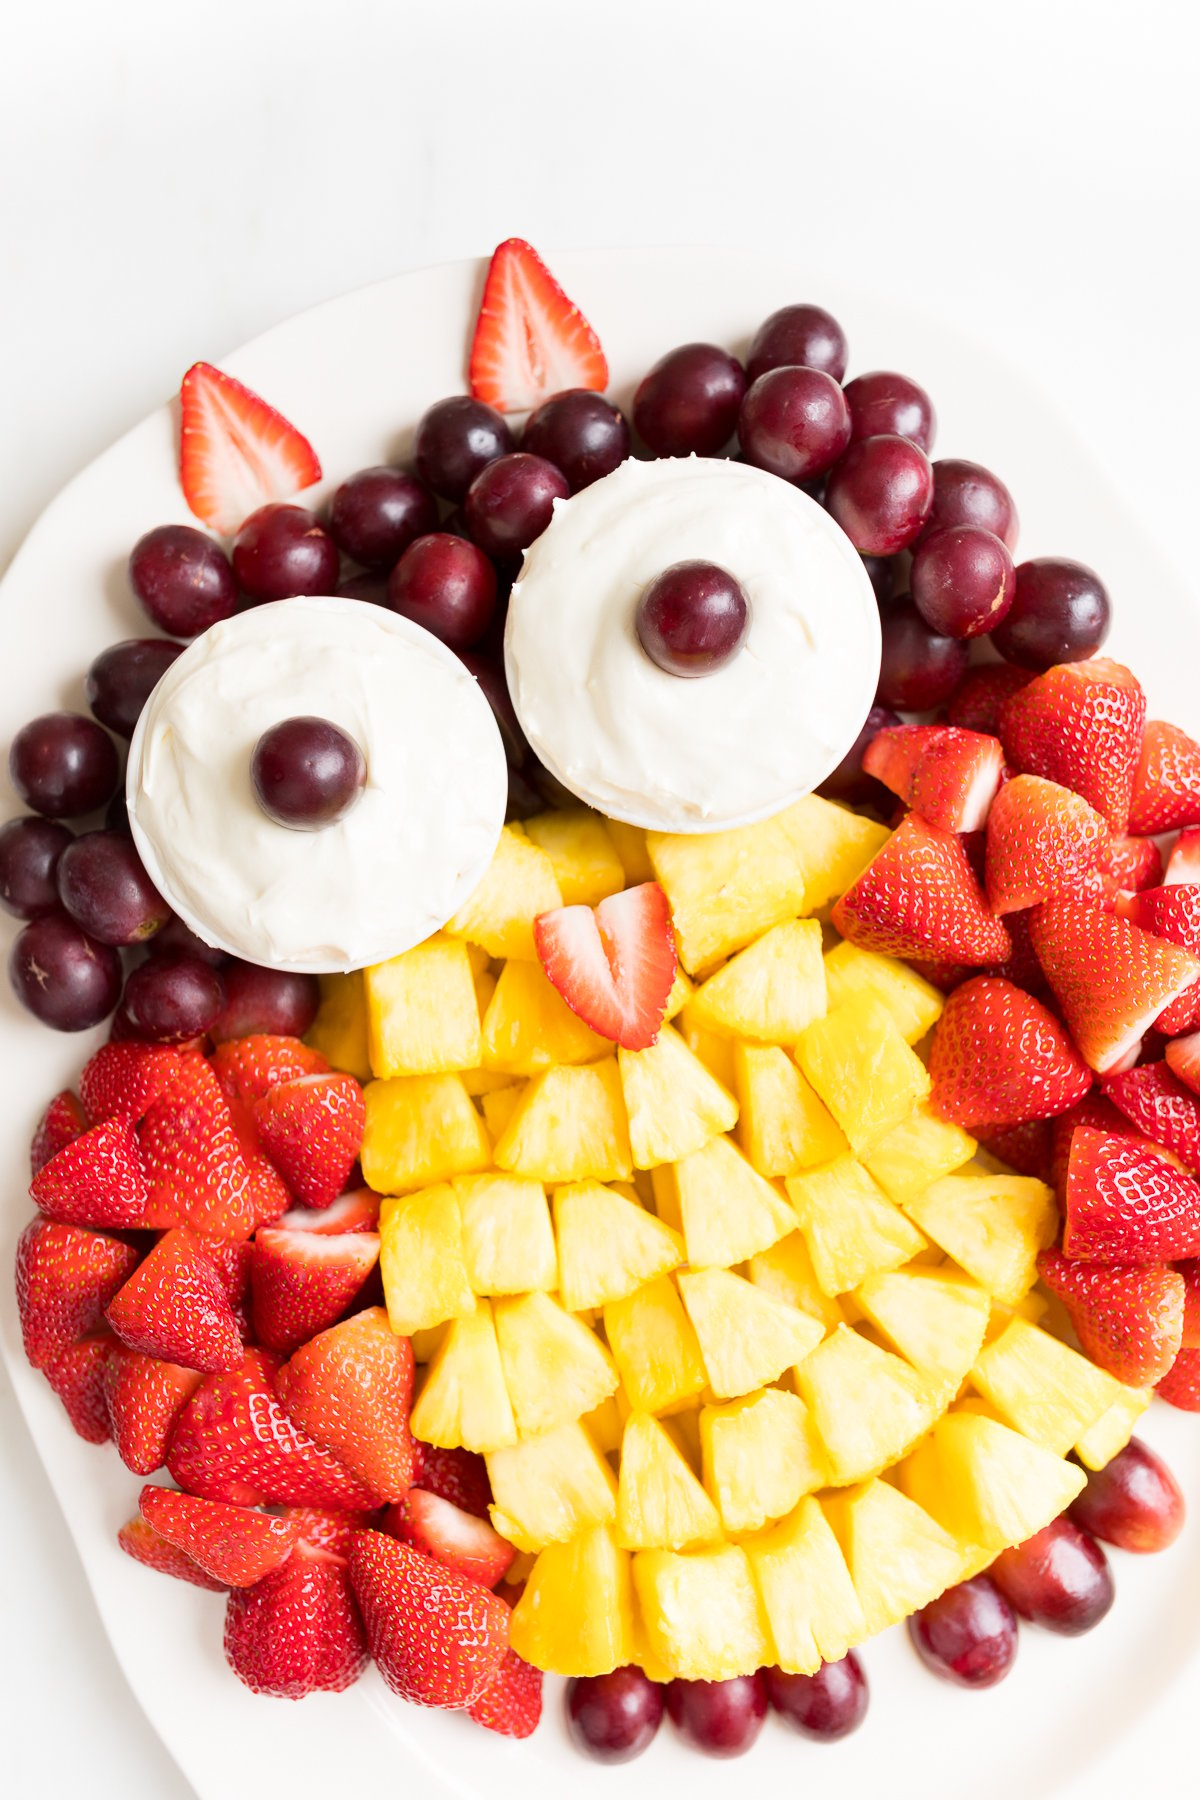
(455, 439)
(968, 1635)
(883, 572)
(613, 1718)
(883, 404)
(794, 422)
(182, 579)
(63, 764)
(64, 977)
(802, 335)
(1058, 1578)
(177, 939)
(307, 773)
(919, 669)
(375, 515)
(692, 618)
(965, 493)
(121, 679)
(722, 1718)
(581, 433)
(1060, 613)
(281, 551)
(1134, 1502)
(171, 998)
(688, 403)
(847, 782)
(828, 1705)
(880, 493)
(274, 1002)
(511, 502)
(30, 849)
(446, 584)
(963, 581)
(104, 887)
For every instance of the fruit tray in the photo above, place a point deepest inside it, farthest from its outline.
(348, 370)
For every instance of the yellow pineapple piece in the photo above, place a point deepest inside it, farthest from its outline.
(863, 1070)
(1032, 1307)
(548, 1489)
(519, 884)
(760, 1454)
(814, 1613)
(712, 1048)
(869, 1408)
(422, 1010)
(499, 1105)
(771, 990)
(1113, 1429)
(987, 1485)
(665, 1192)
(992, 1225)
(425, 1343)
(935, 1319)
(655, 1347)
(508, 1241)
(673, 1103)
(464, 1400)
(681, 994)
(629, 842)
(660, 1503)
(479, 1082)
(914, 1003)
(420, 1129)
(569, 1125)
(555, 1369)
(607, 1245)
(582, 854)
(898, 1557)
(577, 1616)
(1042, 1387)
(728, 1212)
(529, 1027)
(786, 1271)
(421, 1260)
(339, 1030)
(851, 1228)
(747, 1337)
(782, 1126)
(605, 1424)
(917, 1152)
(701, 1612)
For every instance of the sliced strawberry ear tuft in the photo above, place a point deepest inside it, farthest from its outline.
(614, 965)
(530, 340)
(236, 453)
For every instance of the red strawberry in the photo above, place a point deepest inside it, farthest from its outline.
(530, 340)
(248, 1067)
(999, 1056)
(1189, 1273)
(1180, 1386)
(1183, 1059)
(1110, 978)
(122, 1081)
(231, 1258)
(312, 1129)
(1080, 724)
(945, 976)
(235, 452)
(457, 1475)
(145, 1398)
(1125, 1204)
(65, 1278)
(1132, 862)
(195, 1169)
(143, 1543)
(1127, 1319)
(1183, 864)
(1092, 1110)
(1172, 913)
(77, 1377)
(614, 964)
(357, 1210)
(947, 775)
(979, 699)
(297, 1630)
(351, 1389)
(303, 1282)
(1159, 1106)
(96, 1179)
(1027, 1147)
(919, 899)
(1166, 787)
(1041, 839)
(63, 1121)
(439, 1639)
(512, 1705)
(451, 1536)
(320, 1529)
(268, 1196)
(174, 1307)
(236, 1545)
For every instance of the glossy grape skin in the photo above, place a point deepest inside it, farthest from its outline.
(457, 438)
(965, 493)
(963, 581)
(847, 782)
(827, 1705)
(581, 433)
(273, 1002)
(446, 584)
(30, 849)
(375, 515)
(802, 335)
(1059, 1579)
(688, 403)
(511, 502)
(177, 939)
(919, 668)
(169, 999)
(721, 1718)
(968, 1635)
(1060, 613)
(63, 765)
(62, 976)
(883, 403)
(307, 773)
(182, 580)
(794, 422)
(121, 679)
(281, 551)
(613, 1718)
(880, 493)
(692, 619)
(105, 889)
(1135, 1502)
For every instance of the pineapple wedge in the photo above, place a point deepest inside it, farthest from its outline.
(555, 1369)
(863, 1070)
(507, 1237)
(528, 1026)
(701, 1612)
(918, 1152)
(935, 1319)
(582, 854)
(728, 1212)
(499, 1105)
(814, 1613)
(851, 1228)
(339, 1031)
(420, 1129)
(987, 1485)
(548, 1489)
(712, 1048)
(992, 1225)
(786, 1271)
(914, 1003)
(577, 1616)
(655, 1347)
(747, 1337)
(464, 1400)
(771, 990)
(629, 842)
(760, 1454)
(674, 1105)
(782, 1126)
(1042, 1387)
(1113, 1429)
(898, 1557)
(518, 885)
(421, 1260)
(422, 1011)
(605, 1424)
(869, 1408)
(608, 1246)
(660, 1503)
(569, 1125)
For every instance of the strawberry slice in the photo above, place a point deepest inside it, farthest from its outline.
(1133, 863)
(1189, 1273)
(195, 1169)
(1172, 913)
(1080, 724)
(1111, 979)
(948, 775)
(1180, 1386)
(459, 1539)
(980, 697)
(351, 1390)
(96, 1179)
(235, 452)
(357, 1210)
(1183, 1059)
(999, 1057)
(1161, 1107)
(174, 1307)
(65, 1278)
(302, 1282)
(234, 1544)
(63, 1121)
(438, 1638)
(248, 1067)
(530, 340)
(1125, 1204)
(1041, 839)
(919, 899)
(457, 1475)
(78, 1378)
(298, 1630)
(1166, 787)
(122, 1081)
(512, 1704)
(1128, 1319)
(1092, 1110)
(614, 964)
(1183, 864)
(142, 1542)
(145, 1397)
(1027, 1148)
(312, 1130)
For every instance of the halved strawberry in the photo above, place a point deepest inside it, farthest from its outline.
(1189, 1273)
(1166, 787)
(530, 340)
(1161, 1107)
(1180, 1386)
(614, 964)
(195, 1169)
(249, 1067)
(1027, 1148)
(174, 1307)
(235, 452)
(235, 1544)
(512, 1704)
(312, 1128)
(78, 1378)
(1080, 724)
(122, 1081)
(1133, 863)
(457, 1475)
(1125, 1204)
(1183, 1059)
(351, 1390)
(65, 1278)
(948, 775)
(1183, 864)
(298, 1630)
(302, 1281)
(97, 1179)
(142, 1542)
(999, 1057)
(979, 699)
(145, 1398)
(1094, 1110)
(919, 899)
(451, 1536)
(1128, 1319)
(1041, 838)
(438, 1638)
(356, 1210)
(63, 1121)
(1172, 913)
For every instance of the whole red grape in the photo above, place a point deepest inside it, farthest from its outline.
(447, 585)
(281, 551)
(827, 1705)
(63, 765)
(688, 403)
(307, 773)
(172, 998)
(968, 1635)
(963, 581)
(105, 889)
(511, 502)
(62, 976)
(1060, 613)
(965, 493)
(880, 493)
(30, 849)
(722, 1718)
(1058, 1578)
(270, 1002)
(805, 336)
(581, 433)
(375, 515)
(182, 579)
(692, 618)
(885, 404)
(613, 1718)
(1134, 1502)
(794, 422)
(122, 678)
(919, 668)
(455, 439)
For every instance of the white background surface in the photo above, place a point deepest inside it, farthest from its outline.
(176, 178)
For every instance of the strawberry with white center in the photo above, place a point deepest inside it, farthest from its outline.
(920, 899)
(145, 1398)
(65, 1277)
(357, 1210)
(1125, 1204)
(122, 1081)
(96, 1179)
(234, 1544)
(1080, 724)
(312, 1128)
(302, 1282)
(235, 452)
(1161, 1107)
(298, 1629)
(1183, 864)
(351, 1388)
(999, 1057)
(948, 775)
(439, 1639)
(174, 1307)
(451, 1536)
(614, 965)
(530, 340)
(1041, 839)
(78, 1378)
(1166, 787)
(63, 1121)
(1129, 1320)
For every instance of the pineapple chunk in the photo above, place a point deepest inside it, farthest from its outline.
(629, 842)
(1042, 1387)
(760, 1455)
(608, 1245)
(464, 1400)
(674, 1105)
(529, 1027)
(519, 884)
(917, 1152)
(582, 854)
(771, 990)
(898, 1557)
(421, 1260)
(508, 1241)
(655, 1347)
(786, 1271)
(420, 1129)
(914, 1003)
(548, 1489)
(747, 1337)
(728, 1212)
(701, 1612)
(986, 1485)
(425, 1343)
(681, 994)
(339, 1030)
(863, 1070)
(605, 1424)
(576, 1616)
(1114, 1428)
(992, 1225)
(660, 1503)
(712, 1048)
(868, 1406)
(851, 1229)
(499, 1105)
(555, 1369)
(479, 1082)
(935, 1319)
(814, 1613)
(664, 1189)
(569, 1125)
(423, 1012)
(782, 1126)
